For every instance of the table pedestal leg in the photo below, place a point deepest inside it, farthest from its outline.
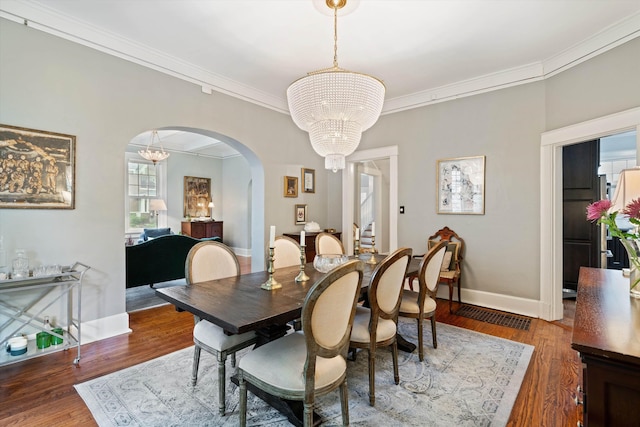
(405, 345)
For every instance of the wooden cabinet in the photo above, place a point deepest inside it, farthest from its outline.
(605, 333)
(202, 229)
(310, 242)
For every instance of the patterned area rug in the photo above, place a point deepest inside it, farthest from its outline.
(471, 379)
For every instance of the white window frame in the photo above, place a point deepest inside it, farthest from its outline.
(161, 175)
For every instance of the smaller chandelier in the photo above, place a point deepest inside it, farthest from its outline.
(335, 105)
(154, 156)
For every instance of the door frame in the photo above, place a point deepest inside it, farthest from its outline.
(348, 184)
(551, 143)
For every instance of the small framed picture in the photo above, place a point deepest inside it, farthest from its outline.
(460, 185)
(308, 180)
(301, 214)
(290, 186)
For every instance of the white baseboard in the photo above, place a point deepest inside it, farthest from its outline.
(510, 304)
(241, 251)
(105, 327)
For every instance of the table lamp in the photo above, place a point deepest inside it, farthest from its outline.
(156, 205)
(211, 206)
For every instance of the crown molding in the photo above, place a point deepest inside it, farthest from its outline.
(44, 19)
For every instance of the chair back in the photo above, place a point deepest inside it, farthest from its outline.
(210, 261)
(455, 248)
(429, 271)
(328, 312)
(327, 243)
(387, 282)
(286, 252)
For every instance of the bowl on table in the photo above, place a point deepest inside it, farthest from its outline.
(327, 262)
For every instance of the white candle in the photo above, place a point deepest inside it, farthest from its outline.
(357, 233)
(373, 228)
(272, 236)
(302, 238)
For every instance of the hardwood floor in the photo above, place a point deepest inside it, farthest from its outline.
(39, 392)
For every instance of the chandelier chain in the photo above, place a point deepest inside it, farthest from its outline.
(335, 36)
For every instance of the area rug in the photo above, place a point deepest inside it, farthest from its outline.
(471, 379)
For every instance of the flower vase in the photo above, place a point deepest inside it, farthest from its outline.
(633, 252)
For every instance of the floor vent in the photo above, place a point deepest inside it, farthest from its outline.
(495, 317)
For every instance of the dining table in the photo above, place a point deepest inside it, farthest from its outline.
(238, 305)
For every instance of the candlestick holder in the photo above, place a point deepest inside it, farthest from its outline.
(372, 260)
(302, 276)
(356, 247)
(271, 283)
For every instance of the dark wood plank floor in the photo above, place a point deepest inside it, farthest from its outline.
(39, 392)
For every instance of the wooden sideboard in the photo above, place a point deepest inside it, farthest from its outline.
(606, 333)
(310, 242)
(202, 229)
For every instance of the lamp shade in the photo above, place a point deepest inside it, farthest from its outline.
(628, 188)
(157, 205)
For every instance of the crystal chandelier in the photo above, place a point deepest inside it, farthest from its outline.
(335, 105)
(154, 156)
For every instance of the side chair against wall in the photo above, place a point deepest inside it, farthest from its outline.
(422, 304)
(327, 243)
(300, 366)
(286, 252)
(209, 261)
(451, 269)
(377, 325)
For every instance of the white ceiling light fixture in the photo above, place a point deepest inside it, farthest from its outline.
(154, 156)
(335, 105)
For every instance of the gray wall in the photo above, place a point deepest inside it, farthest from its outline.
(51, 84)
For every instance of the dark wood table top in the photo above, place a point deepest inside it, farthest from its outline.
(607, 320)
(239, 305)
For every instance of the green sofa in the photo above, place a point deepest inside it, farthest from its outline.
(158, 260)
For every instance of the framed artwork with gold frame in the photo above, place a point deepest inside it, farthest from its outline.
(197, 195)
(290, 186)
(37, 169)
(308, 180)
(301, 214)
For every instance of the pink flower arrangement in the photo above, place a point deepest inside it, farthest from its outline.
(599, 211)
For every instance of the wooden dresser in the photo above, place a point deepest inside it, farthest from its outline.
(606, 333)
(310, 241)
(202, 229)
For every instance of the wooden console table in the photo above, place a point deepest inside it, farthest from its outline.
(202, 229)
(606, 333)
(310, 241)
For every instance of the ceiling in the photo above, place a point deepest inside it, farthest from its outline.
(425, 51)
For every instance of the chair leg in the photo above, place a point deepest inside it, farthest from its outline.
(308, 414)
(451, 295)
(433, 331)
(222, 359)
(243, 400)
(344, 402)
(196, 364)
(420, 349)
(396, 372)
(458, 283)
(372, 375)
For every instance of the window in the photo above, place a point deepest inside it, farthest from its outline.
(143, 182)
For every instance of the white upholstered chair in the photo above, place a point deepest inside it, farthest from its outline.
(327, 243)
(209, 261)
(422, 304)
(286, 252)
(377, 325)
(301, 365)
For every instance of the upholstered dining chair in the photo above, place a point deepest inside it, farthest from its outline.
(302, 365)
(377, 325)
(286, 252)
(327, 243)
(451, 270)
(422, 304)
(209, 261)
